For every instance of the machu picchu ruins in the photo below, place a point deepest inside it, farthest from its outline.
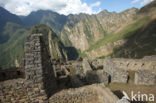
(40, 79)
(77, 51)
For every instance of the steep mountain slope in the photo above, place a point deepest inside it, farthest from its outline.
(127, 34)
(141, 43)
(12, 49)
(12, 37)
(134, 40)
(87, 29)
(5, 17)
(83, 30)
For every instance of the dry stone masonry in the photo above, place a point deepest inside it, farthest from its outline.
(145, 77)
(135, 64)
(117, 75)
(39, 82)
(38, 67)
(42, 78)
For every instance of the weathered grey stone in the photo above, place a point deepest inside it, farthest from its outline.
(96, 64)
(145, 77)
(117, 75)
(86, 66)
(97, 77)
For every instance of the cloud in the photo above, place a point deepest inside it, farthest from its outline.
(98, 3)
(144, 2)
(135, 1)
(24, 7)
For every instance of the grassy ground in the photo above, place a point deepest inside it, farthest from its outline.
(118, 88)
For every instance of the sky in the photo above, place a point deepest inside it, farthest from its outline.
(25, 7)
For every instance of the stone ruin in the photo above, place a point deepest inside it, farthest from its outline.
(145, 77)
(96, 93)
(117, 75)
(53, 81)
(39, 82)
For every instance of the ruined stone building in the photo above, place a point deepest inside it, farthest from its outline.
(43, 80)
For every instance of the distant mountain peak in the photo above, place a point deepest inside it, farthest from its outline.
(104, 12)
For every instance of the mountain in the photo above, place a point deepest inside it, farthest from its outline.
(56, 47)
(81, 31)
(129, 34)
(14, 32)
(6, 16)
(86, 28)
(12, 50)
(134, 40)
(47, 17)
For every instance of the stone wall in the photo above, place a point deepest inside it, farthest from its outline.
(38, 67)
(21, 91)
(145, 77)
(11, 73)
(14, 91)
(117, 75)
(96, 64)
(135, 64)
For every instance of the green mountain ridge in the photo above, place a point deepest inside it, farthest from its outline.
(129, 34)
(136, 30)
(12, 49)
(47, 17)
